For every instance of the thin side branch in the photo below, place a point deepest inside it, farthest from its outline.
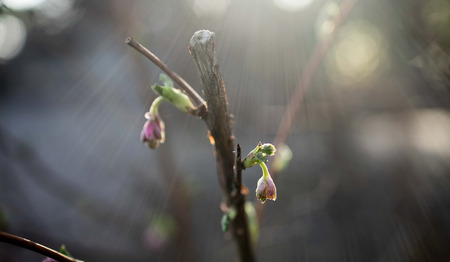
(30, 245)
(198, 100)
(240, 227)
(238, 166)
(219, 123)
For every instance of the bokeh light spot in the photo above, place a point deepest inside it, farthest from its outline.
(358, 53)
(380, 136)
(327, 27)
(21, 5)
(292, 5)
(210, 7)
(431, 132)
(12, 36)
(325, 20)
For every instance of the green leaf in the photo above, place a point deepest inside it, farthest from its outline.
(63, 250)
(225, 223)
(173, 95)
(166, 80)
(252, 219)
(227, 218)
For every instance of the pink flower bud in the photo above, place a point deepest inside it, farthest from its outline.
(153, 132)
(266, 189)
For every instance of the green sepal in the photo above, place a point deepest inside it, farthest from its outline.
(173, 95)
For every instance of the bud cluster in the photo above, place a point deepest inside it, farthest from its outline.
(265, 187)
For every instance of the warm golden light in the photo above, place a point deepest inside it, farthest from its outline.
(325, 20)
(210, 7)
(358, 53)
(431, 132)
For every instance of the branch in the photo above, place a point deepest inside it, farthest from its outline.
(240, 226)
(198, 100)
(219, 123)
(30, 245)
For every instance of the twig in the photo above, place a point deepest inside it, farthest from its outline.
(30, 245)
(240, 226)
(198, 100)
(304, 84)
(238, 166)
(202, 46)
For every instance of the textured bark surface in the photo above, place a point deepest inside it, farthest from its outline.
(219, 123)
(202, 46)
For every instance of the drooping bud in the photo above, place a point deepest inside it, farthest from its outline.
(266, 187)
(173, 95)
(159, 232)
(153, 132)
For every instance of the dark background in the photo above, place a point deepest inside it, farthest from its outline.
(369, 177)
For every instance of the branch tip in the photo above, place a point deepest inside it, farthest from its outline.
(198, 100)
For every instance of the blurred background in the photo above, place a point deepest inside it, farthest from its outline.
(369, 178)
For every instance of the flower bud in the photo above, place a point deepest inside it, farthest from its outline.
(153, 131)
(259, 153)
(266, 189)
